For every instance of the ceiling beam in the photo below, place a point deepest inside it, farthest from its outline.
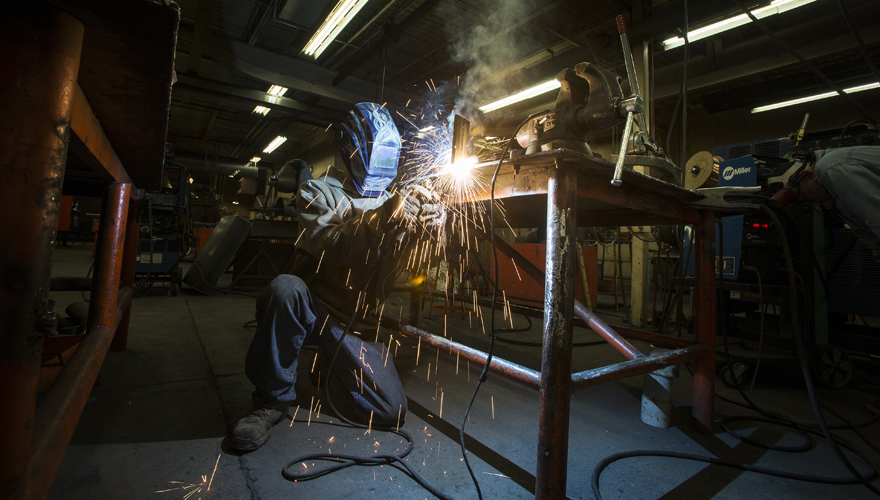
(392, 35)
(203, 17)
(258, 96)
(291, 72)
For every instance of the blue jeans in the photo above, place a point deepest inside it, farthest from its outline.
(288, 317)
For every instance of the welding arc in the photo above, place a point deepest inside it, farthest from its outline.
(484, 374)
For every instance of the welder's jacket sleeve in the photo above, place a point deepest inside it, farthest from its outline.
(341, 242)
(851, 176)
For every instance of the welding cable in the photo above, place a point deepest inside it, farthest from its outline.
(762, 308)
(770, 417)
(484, 374)
(804, 361)
(821, 76)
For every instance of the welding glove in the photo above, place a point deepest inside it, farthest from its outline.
(422, 207)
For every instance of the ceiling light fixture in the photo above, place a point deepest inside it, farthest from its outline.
(261, 110)
(775, 7)
(851, 90)
(344, 12)
(274, 144)
(521, 96)
(277, 90)
(255, 159)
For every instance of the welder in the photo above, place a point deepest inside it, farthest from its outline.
(354, 236)
(845, 179)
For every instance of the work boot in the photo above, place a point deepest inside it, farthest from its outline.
(253, 430)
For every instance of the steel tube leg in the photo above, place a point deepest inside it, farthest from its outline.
(555, 392)
(39, 63)
(127, 275)
(704, 311)
(61, 407)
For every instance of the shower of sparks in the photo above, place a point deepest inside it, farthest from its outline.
(427, 163)
(191, 489)
(211, 481)
(293, 418)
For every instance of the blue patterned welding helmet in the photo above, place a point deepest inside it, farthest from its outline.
(370, 148)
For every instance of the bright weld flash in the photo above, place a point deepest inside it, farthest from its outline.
(462, 169)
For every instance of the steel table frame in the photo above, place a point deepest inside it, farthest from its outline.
(578, 192)
(42, 110)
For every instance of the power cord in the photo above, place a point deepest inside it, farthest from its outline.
(484, 374)
(771, 417)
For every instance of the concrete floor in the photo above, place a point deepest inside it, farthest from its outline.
(159, 415)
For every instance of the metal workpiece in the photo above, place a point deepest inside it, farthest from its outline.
(555, 391)
(40, 58)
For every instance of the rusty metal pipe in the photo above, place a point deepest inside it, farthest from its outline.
(60, 409)
(704, 312)
(587, 316)
(70, 284)
(127, 274)
(39, 59)
(645, 364)
(511, 371)
(555, 394)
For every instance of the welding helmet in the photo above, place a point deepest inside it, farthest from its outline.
(370, 148)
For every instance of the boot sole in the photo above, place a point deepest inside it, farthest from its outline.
(248, 444)
(251, 445)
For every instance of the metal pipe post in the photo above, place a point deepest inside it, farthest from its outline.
(704, 312)
(61, 407)
(127, 275)
(39, 59)
(555, 392)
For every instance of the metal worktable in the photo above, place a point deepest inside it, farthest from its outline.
(566, 189)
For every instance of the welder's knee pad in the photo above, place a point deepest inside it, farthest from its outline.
(365, 380)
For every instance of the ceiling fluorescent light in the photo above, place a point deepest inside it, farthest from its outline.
(274, 144)
(261, 110)
(521, 96)
(851, 90)
(277, 90)
(775, 7)
(342, 14)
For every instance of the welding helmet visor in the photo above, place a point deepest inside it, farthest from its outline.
(370, 148)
